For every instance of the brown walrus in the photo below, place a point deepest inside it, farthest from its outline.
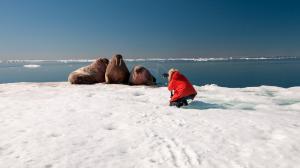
(93, 73)
(117, 71)
(141, 76)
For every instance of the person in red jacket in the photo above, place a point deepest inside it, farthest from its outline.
(180, 87)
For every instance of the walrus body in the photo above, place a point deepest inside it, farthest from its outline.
(117, 71)
(141, 76)
(93, 73)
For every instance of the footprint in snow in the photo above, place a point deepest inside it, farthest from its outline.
(90, 95)
(54, 135)
(138, 94)
(105, 115)
(21, 131)
(71, 110)
(110, 127)
(48, 166)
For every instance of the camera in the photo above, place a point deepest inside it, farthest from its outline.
(165, 75)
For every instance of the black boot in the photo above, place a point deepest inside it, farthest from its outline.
(173, 104)
(185, 103)
(179, 104)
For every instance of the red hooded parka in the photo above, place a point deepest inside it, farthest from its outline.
(181, 86)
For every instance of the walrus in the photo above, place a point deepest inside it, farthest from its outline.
(117, 71)
(139, 75)
(91, 74)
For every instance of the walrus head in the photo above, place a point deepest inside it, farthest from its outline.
(105, 60)
(118, 59)
(102, 60)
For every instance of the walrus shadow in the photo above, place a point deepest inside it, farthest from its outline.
(203, 106)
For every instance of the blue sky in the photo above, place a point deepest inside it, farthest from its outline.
(60, 29)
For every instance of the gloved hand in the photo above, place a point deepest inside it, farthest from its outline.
(171, 94)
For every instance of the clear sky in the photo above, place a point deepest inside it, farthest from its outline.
(60, 29)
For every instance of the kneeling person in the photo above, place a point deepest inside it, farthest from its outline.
(181, 89)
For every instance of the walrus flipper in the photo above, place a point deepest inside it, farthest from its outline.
(84, 79)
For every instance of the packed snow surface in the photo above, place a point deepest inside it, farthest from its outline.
(58, 125)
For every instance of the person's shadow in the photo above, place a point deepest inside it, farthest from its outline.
(203, 106)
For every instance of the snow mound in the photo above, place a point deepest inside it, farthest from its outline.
(32, 66)
(61, 125)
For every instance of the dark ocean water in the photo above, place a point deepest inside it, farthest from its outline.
(227, 72)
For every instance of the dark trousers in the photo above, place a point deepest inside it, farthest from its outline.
(182, 101)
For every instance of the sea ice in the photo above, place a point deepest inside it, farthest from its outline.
(61, 125)
(32, 66)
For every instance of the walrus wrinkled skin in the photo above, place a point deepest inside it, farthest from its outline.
(91, 74)
(139, 75)
(117, 71)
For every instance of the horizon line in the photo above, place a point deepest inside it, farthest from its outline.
(157, 59)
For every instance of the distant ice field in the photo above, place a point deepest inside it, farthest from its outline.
(227, 72)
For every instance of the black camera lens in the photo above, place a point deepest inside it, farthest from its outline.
(165, 75)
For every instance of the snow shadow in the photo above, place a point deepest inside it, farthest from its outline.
(203, 106)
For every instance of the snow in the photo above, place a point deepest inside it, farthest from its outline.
(56, 125)
(32, 66)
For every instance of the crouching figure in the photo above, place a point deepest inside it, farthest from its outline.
(180, 87)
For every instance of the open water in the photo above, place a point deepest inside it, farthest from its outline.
(243, 72)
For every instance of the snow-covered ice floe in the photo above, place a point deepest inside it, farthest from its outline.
(32, 66)
(197, 59)
(61, 125)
